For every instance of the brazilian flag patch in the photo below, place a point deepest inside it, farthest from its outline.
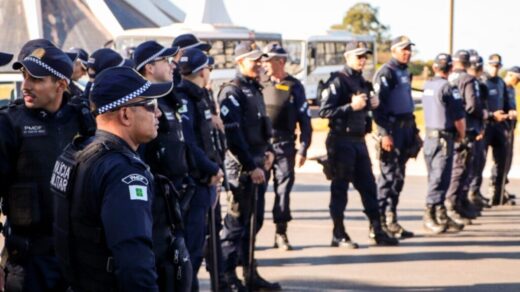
(138, 193)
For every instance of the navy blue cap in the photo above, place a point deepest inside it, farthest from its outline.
(461, 56)
(443, 60)
(46, 61)
(104, 58)
(357, 48)
(476, 61)
(274, 49)
(116, 86)
(82, 54)
(31, 45)
(150, 51)
(188, 41)
(129, 63)
(194, 60)
(401, 42)
(72, 56)
(495, 59)
(515, 70)
(5, 58)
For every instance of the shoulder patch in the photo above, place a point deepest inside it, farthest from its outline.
(138, 192)
(332, 88)
(234, 100)
(224, 110)
(135, 177)
(384, 81)
(184, 108)
(456, 93)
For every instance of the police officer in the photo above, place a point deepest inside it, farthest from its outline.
(397, 129)
(459, 207)
(184, 42)
(80, 70)
(100, 60)
(287, 107)
(248, 132)
(511, 79)
(167, 155)
(195, 68)
(34, 130)
(497, 130)
(104, 222)
(445, 123)
(476, 69)
(344, 103)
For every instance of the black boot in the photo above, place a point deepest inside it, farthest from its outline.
(478, 200)
(430, 221)
(444, 219)
(395, 228)
(340, 238)
(233, 282)
(379, 236)
(280, 238)
(260, 283)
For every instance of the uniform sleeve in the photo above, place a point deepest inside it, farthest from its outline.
(8, 148)
(331, 106)
(231, 111)
(127, 218)
(304, 118)
(189, 122)
(453, 100)
(472, 99)
(383, 84)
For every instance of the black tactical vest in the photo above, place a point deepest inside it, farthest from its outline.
(496, 87)
(29, 203)
(279, 104)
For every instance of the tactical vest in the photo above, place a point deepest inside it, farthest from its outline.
(495, 94)
(29, 202)
(167, 154)
(279, 103)
(400, 100)
(256, 125)
(460, 80)
(354, 124)
(435, 113)
(205, 129)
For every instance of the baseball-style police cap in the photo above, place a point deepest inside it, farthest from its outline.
(46, 61)
(189, 41)
(274, 49)
(476, 61)
(116, 86)
(401, 42)
(104, 58)
(82, 55)
(461, 56)
(194, 60)
(443, 60)
(5, 58)
(515, 70)
(31, 45)
(248, 50)
(357, 48)
(495, 59)
(151, 51)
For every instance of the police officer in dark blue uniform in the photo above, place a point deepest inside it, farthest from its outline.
(80, 70)
(100, 60)
(497, 130)
(287, 107)
(34, 130)
(248, 131)
(345, 105)
(106, 202)
(195, 68)
(184, 42)
(445, 123)
(397, 129)
(459, 207)
(511, 79)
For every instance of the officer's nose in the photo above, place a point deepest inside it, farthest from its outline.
(158, 112)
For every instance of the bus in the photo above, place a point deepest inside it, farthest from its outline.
(223, 39)
(313, 57)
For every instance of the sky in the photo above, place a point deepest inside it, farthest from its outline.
(485, 25)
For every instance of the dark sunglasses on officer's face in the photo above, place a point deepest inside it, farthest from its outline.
(148, 104)
(169, 59)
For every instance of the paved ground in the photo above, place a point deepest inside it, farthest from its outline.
(484, 257)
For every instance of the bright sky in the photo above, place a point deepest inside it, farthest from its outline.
(485, 25)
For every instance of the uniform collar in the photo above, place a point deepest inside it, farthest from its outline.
(248, 80)
(351, 72)
(192, 89)
(398, 64)
(60, 113)
(105, 136)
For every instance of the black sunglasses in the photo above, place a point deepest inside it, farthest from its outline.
(148, 104)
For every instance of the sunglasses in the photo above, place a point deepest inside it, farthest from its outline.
(169, 60)
(149, 105)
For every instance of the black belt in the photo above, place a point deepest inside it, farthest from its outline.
(402, 121)
(349, 136)
(283, 137)
(433, 133)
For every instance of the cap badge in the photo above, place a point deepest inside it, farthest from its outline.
(38, 53)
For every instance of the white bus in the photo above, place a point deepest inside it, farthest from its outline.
(313, 57)
(223, 39)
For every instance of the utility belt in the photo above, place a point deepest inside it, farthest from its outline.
(345, 136)
(402, 120)
(283, 137)
(435, 133)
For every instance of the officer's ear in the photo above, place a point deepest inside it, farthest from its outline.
(62, 84)
(125, 115)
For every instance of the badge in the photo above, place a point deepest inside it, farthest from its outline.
(183, 109)
(224, 110)
(169, 116)
(207, 114)
(282, 87)
(34, 131)
(456, 94)
(135, 177)
(138, 192)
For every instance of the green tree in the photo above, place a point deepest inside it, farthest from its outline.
(362, 18)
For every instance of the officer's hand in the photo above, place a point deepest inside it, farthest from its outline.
(500, 116)
(512, 114)
(300, 160)
(480, 136)
(269, 159)
(257, 176)
(359, 102)
(387, 143)
(217, 122)
(374, 101)
(215, 180)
